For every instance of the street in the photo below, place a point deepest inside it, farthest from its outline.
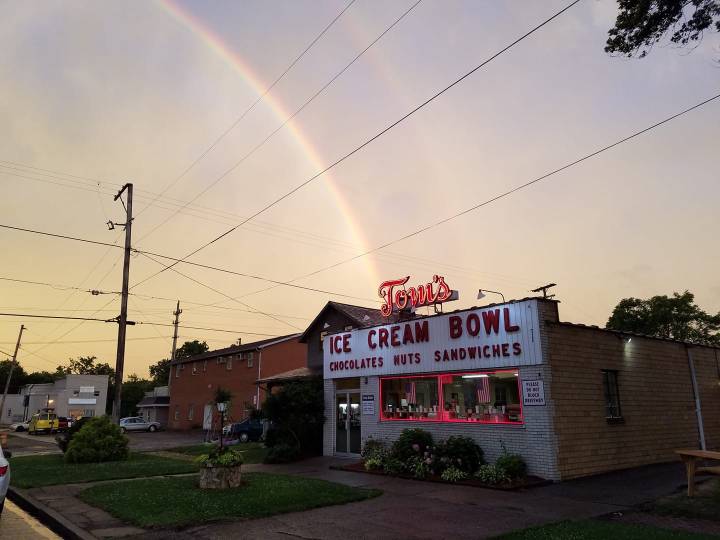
(17, 524)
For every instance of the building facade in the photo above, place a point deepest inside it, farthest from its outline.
(572, 400)
(195, 380)
(154, 407)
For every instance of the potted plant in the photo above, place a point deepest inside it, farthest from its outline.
(220, 469)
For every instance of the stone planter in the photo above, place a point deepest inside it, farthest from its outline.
(219, 477)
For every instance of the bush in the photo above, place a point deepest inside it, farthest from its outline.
(513, 465)
(227, 457)
(275, 436)
(373, 448)
(63, 441)
(282, 453)
(412, 442)
(393, 465)
(460, 452)
(373, 464)
(453, 474)
(97, 441)
(491, 474)
(418, 466)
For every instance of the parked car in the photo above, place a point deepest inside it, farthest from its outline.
(20, 426)
(64, 423)
(4, 475)
(43, 422)
(247, 430)
(138, 423)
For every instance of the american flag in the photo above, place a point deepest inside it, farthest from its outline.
(411, 396)
(483, 390)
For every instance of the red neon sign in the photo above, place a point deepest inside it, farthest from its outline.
(435, 292)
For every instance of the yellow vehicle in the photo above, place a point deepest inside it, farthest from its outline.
(43, 422)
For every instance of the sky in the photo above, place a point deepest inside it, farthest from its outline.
(94, 94)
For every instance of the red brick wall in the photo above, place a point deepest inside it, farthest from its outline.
(656, 399)
(199, 389)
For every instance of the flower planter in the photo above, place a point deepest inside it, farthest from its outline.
(212, 477)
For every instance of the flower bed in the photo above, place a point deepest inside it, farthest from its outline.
(514, 485)
(457, 460)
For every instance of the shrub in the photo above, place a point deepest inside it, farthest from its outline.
(411, 443)
(418, 466)
(393, 465)
(227, 457)
(491, 474)
(373, 464)
(513, 465)
(275, 436)
(282, 453)
(63, 440)
(373, 448)
(460, 452)
(97, 441)
(453, 474)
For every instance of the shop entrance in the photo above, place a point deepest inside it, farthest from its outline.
(347, 422)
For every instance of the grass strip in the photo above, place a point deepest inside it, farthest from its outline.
(50, 470)
(172, 502)
(600, 530)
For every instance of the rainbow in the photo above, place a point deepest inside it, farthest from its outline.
(205, 34)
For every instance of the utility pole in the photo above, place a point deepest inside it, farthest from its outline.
(177, 313)
(122, 319)
(12, 366)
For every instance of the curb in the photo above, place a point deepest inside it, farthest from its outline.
(49, 517)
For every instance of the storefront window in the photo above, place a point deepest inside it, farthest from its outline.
(490, 397)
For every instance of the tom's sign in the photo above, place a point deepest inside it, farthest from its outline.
(397, 297)
(502, 336)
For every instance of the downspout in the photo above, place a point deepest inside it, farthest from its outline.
(696, 393)
(257, 399)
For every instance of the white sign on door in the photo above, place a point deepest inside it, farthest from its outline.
(533, 393)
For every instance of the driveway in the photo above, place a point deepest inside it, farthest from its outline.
(144, 441)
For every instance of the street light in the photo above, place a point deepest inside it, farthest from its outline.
(221, 407)
(481, 294)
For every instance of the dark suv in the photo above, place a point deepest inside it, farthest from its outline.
(247, 430)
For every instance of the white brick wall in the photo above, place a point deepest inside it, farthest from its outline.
(534, 440)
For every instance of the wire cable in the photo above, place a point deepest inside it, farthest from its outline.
(370, 140)
(288, 119)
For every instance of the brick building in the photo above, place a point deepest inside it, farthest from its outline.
(573, 400)
(194, 380)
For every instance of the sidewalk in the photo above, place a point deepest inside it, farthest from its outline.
(424, 510)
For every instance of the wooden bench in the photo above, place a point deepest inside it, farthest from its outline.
(690, 458)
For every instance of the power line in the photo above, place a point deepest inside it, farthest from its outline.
(368, 141)
(288, 119)
(76, 341)
(240, 118)
(177, 260)
(29, 315)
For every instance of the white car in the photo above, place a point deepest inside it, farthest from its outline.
(20, 426)
(138, 423)
(4, 476)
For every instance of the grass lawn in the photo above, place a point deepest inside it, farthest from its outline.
(704, 505)
(600, 530)
(38, 471)
(165, 502)
(253, 452)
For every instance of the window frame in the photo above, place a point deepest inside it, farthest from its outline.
(441, 398)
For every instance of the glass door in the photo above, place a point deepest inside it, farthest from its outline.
(347, 423)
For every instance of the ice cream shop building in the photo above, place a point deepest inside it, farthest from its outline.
(573, 400)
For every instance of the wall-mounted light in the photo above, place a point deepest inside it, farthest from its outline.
(477, 376)
(481, 294)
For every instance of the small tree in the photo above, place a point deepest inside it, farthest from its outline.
(297, 414)
(191, 348)
(160, 372)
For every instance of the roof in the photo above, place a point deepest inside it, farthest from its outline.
(235, 349)
(359, 315)
(156, 401)
(632, 334)
(292, 375)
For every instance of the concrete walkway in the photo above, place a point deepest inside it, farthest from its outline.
(412, 509)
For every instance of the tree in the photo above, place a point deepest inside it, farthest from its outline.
(676, 317)
(642, 24)
(191, 348)
(160, 372)
(133, 390)
(18, 376)
(85, 365)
